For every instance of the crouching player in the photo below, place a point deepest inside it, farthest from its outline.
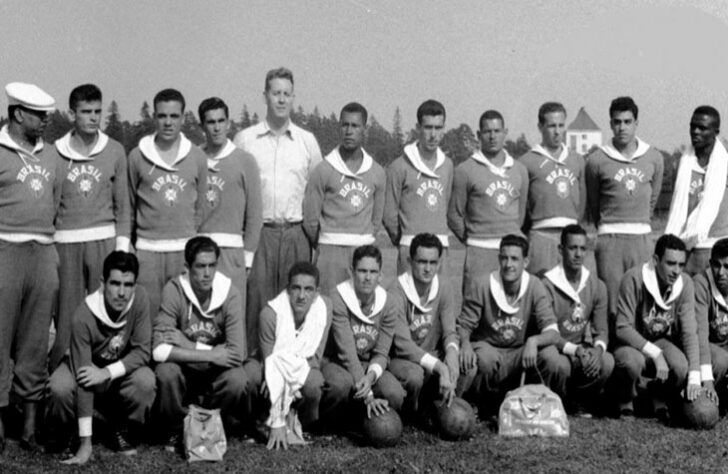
(426, 329)
(656, 330)
(108, 366)
(579, 300)
(294, 328)
(507, 325)
(711, 313)
(199, 344)
(364, 320)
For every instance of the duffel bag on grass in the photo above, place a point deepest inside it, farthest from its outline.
(204, 435)
(532, 410)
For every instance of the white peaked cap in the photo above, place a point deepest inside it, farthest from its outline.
(29, 96)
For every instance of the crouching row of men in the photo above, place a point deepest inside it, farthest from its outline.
(198, 344)
(368, 350)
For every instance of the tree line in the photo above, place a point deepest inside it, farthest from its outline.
(458, 143)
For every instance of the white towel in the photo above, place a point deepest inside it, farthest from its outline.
(694, 228)
(649, 277)
(286, 368)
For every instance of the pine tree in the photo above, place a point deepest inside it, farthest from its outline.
(114, 127)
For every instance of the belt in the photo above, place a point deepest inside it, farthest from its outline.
(281, 224)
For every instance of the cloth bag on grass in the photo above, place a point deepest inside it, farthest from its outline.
(532, 410)
(204, 435)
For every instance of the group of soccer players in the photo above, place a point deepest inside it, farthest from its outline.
(243, 275)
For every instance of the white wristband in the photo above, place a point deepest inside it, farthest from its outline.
(651, 350)
(694, 377)
(428, 362)
(570, 348)
(85, 425)
(706, 373)
(377, 369)
(202, 347)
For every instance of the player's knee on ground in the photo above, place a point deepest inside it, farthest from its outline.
(390, 389)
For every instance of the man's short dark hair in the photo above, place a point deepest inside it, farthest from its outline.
(303, 268)
(84, 93)
(169, 95)
(491, 115)
(669, 242)
(623, 104)
(513, 240)
(212, 103)
(430, 108)
(197, 245)
(711, 112)
(719, 250)
(278, 73)
(571, 229)
(355, 108)
(367, 251)
(550, 108)
(425, 240)
(122, 261)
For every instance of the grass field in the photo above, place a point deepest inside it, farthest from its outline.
(595, 446)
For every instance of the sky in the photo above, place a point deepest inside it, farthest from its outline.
(471, 55)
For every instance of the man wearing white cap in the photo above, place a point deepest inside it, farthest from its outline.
(28, 261)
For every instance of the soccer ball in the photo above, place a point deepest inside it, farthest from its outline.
(700, 414)
(383, 430)
(456, 421)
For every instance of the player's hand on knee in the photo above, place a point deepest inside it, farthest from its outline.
(363, 387)
(376, 406)
(661, 368)
(592, 362)
(277, 438)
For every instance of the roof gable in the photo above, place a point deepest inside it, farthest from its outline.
(583, 122)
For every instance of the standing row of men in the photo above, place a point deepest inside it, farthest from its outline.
(273, 188)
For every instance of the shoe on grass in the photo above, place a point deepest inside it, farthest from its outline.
(121, 444)
(174, 443)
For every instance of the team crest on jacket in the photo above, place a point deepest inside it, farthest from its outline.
(507, 327)
(719, 325)
(431, 191)
(171, 186)
(215, 185)
(501, 191)
(631, 178)
(696, 188)
(113, 349)
(356, 193)
(35, 176)
(577, 320)
(364, 337)
(204, 331)
(657, 322)
(563, 179)
(420, 326)
(84, 177)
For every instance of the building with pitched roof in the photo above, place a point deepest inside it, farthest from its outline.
(583, 133)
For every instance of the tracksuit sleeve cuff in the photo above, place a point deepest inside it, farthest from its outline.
(601, 344)
(651, 350)
(161, 352)
(550, 327)
(279, 422)
(85, 425)
(202, 347)
(706, 373)
(694, 377)
(429, 362)
(122, 243)
(116, 369)
(570, 348)
(377, 369)
(249, 258)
